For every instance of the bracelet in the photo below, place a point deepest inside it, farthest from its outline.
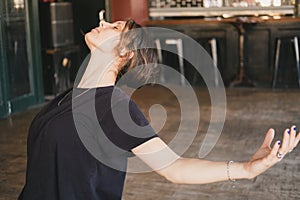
(228, 171)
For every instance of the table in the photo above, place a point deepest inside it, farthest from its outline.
(240, 23)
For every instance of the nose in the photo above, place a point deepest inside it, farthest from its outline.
(104, 24)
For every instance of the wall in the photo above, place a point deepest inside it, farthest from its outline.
(137, 10)
(86, 17)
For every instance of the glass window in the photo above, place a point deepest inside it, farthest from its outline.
(15, 34)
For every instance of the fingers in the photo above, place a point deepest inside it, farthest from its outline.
(275, 148)
(285, 147)
(275, 151)
(269, 138)
(297, 139)
(292, 138)
(289, 142)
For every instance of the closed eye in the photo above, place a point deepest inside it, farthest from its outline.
(118, 26)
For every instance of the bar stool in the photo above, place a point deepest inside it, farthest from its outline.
(277, 55)
(179, 46)
(214, 55)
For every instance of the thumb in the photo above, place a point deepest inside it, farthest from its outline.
(268, 138)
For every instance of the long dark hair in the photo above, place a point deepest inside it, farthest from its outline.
(136, 39)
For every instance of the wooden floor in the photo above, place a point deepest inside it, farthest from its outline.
(250, 113)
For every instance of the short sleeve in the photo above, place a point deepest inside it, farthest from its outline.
(126, 126)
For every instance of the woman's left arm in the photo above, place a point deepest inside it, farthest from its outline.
(167, 163)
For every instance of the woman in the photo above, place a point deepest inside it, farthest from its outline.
(71, 157)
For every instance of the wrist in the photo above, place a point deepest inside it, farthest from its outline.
(246, 170)
(238, 170)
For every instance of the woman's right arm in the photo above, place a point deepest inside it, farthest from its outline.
(164, 161)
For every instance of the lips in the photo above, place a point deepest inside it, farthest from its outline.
(96, 30)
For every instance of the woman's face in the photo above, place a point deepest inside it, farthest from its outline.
(106, 36)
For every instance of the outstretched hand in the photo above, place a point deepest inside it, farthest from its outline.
(267, 156)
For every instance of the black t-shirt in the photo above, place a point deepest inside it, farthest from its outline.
(77, 150)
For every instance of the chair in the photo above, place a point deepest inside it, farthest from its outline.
(179, 45)
(214, 55)
(277, 56)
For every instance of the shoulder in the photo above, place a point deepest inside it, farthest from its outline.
(116, 97)
(114, 101)
(126, 107)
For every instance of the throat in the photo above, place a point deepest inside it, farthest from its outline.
(96, 78)
(99, 74)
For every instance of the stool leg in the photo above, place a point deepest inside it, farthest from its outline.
(278, 43)
(296, 45)
(180, 58)
(178, 43)
(213, 43)
(159, 55)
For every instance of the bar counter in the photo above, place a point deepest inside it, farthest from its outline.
(246, 46)
(264, 19)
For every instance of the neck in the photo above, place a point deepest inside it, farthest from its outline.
(101, 71)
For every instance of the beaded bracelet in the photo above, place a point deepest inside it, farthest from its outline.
(228, 171)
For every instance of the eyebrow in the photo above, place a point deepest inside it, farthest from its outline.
(119, 22)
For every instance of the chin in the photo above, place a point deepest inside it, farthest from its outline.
(87, 42)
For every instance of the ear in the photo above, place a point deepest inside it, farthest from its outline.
(123, 53)
(131, 54)
(126, 55)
